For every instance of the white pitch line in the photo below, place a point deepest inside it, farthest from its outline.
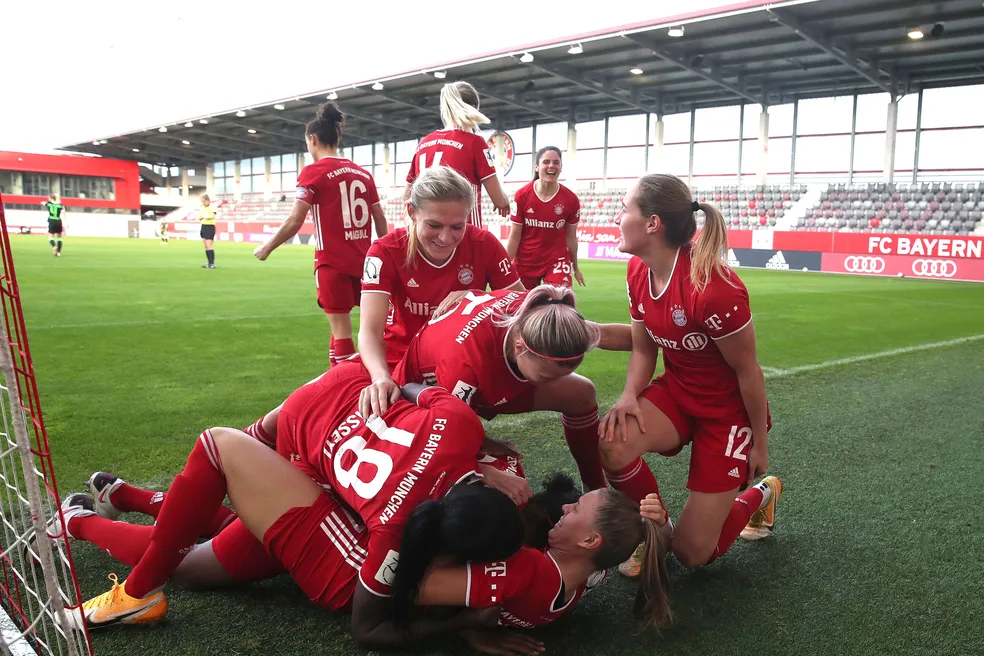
(779, 373)
(161, 322)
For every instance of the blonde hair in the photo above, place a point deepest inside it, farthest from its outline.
(439, 183)
(622, 529)
(459, 107)
(669, 197)
(549, 324)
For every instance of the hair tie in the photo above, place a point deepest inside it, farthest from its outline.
(556, 301)
(695, 206)
(549, 357)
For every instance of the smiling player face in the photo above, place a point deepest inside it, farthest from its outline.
(549, 166)
(440, 227)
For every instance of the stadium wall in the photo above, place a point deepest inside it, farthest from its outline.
(125, 176)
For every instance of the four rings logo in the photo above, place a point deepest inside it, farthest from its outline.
(864, 264)
(934, 268)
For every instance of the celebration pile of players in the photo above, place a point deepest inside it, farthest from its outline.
(376, 487)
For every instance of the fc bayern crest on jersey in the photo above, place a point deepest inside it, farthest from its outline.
(558, 209)
(679, 316)
(466, 275)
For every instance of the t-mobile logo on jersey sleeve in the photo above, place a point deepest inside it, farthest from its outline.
(504, 265)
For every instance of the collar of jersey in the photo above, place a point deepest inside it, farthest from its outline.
(560, 588)
(649, 278)
(451, 257)
(546, 200)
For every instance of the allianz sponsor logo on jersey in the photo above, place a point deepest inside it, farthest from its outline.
(691, 341)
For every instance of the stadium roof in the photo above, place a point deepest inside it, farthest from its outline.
(754, 51)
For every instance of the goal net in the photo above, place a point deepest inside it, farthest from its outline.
(38, 586)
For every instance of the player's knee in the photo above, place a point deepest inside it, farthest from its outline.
(615, 455)
(692, 553)
(579, 395)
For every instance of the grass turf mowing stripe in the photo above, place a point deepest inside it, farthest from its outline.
(778, 373)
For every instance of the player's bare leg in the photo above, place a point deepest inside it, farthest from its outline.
(341, 347)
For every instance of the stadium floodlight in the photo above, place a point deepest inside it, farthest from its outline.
(186, 142)
(378, 86)
(251, 131)
(136, 150)
(635, 71)
(526, 58)
(189, 124)
(241, 114)
(162, 129)
(575, 49)
(916, 33)
(440, 75)
(676, 31)
(332, 96)
(279, 106)
(95, 143)
(203, 121)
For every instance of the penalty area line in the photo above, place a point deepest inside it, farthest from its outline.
(771, 372)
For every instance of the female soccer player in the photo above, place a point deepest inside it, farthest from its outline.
(207, 233)
(420, 467)
(414, 272)
(458, 147)
(511, 352)
(543, 237)
(55, 226)
(342, 196)
(685, 299)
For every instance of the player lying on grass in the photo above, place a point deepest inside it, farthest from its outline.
(510, 352)
(410, 273)
(414, 465)
(684, 299)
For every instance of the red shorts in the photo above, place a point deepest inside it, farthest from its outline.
(322, 546)
(338, 292)
(558, 274)
(518, 406)
(242, 556)
(719, 455)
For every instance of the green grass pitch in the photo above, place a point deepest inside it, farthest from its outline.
(880, 541)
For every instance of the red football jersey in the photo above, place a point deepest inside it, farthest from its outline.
(544, 220)
(385, 468)
(463, 351)
(528, 585)
(465, 152)
(685, 324)
(478, 262)
(341, 195)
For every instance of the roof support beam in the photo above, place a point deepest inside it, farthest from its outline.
(592, 85)
(516, 102)
(220, 149)
(872, 72)
(680, 61)
(249, 142)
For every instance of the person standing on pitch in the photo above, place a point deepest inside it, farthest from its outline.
(55, 227)
(208, 231)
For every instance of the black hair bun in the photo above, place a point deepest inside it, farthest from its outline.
(330, 112)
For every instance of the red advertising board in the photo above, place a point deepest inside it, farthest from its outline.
(880, 244)
(910, 266)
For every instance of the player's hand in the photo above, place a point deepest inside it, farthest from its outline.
(758, 461)
(499, 449)
(651, 508)
(505, 642)
(378, 397)
(449, 302)
(579, 277)
(261, 253)
(617, 418)
(504, 210)
(514, 487)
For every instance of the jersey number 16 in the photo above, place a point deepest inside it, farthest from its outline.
(355, 209)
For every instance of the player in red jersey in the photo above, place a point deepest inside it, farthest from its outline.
(543, 237)
(416, 486)
(684, 299)
(412, 273)
(458, 147)
(341, 197)
(511, 352)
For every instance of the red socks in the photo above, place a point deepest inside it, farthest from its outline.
(257, 432)
(126, 543)
(741, 511)
(635, 480)
(340, 350)
(190, 505)
(127, 498)
(581, 433)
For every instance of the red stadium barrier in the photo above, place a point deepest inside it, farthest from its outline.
(934, 268)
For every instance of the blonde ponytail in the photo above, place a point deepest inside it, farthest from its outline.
(459, 107)
(652, 603)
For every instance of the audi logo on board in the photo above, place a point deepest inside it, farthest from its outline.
(864, 264)
(934, 268)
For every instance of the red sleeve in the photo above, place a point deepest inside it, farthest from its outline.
(499, 273)
(631, 280)
(724, 307)
(413, 172)
(379, 274)
(307, 192)
(519, 217)
(576, 202)
(492, 583)
(379, 567)
(484, 158)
